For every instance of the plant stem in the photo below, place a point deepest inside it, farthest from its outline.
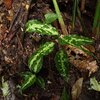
(61, 21)
(81, 20)
(83, 5)
(74, 14)
(96, 22)
(76, 10)
(80, 17)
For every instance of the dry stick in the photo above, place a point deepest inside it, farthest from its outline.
(74, 13)
(79, 16)
(61, 21)
(25, 18)
(15, 18)
(83, 5)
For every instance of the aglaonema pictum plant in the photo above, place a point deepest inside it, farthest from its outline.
(35, 61)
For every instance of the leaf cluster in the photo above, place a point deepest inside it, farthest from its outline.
(35, 61)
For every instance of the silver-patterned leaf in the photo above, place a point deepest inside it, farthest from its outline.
(41, 28)
(74, 40)
(46, 48)
(28, 80)
(35, 61)
(35, 65)
(62, 63)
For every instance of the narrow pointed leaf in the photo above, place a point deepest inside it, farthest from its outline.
(28, 81)
(41, 28)
(35, 61)
(64, 95)
(50, 17)
(74, 40)
(62, 64)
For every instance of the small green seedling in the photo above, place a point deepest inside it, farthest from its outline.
(95, 85)
(50, 17)
(5, 87)
(64, 95)
(35, 61)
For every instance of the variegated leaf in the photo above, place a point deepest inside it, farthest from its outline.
(40, 81)
(29, 79)
(74, 40)
(62, 63)
(46, 48)
(35, 65)
(41, 28)
(35, 61)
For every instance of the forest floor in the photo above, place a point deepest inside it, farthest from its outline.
(16, 46)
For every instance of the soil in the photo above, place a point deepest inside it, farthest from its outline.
(16, 46)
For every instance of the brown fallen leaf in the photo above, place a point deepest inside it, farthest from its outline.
(3, 31)
(81, 60)
(75, 50)
(84, 65)
(55, 97)
(77, 88)
(8, 3)
(90, 48)
(10, 16)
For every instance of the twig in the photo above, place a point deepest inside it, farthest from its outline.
(83, 5)
(15, 18)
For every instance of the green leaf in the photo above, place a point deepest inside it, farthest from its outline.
(41, 28)
(25, 75)
(62, 63)
(46, 48)
(35, 61)
(74, 40)
(95, 85)
(5, 87)
(35, 65)
(29, 80)
(96, 22)
(64, 95)
(50, 17)
(40, 82)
